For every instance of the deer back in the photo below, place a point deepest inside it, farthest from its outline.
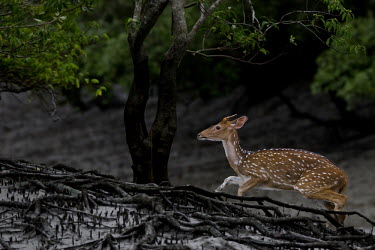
(285, 167)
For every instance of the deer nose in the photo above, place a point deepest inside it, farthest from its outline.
(200, 137)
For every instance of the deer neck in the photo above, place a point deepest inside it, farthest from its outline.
(233, 151)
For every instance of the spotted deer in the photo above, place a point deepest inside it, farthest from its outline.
(311, 174)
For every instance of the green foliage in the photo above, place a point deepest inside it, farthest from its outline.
(40, 44)
(229, 29)
(351, 76)
(235, 29)
(110, 60)
(43, 46)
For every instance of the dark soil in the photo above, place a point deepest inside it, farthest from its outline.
(95, 140)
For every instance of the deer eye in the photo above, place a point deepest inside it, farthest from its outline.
(218, 127)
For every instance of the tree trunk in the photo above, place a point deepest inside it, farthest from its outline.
(135, 127)
(146, 14)
(164, 127)
(150, 152)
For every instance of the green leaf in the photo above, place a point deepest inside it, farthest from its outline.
(94, 81)
(98, 92)
(292, 40)
(106, 36)
(264, 51)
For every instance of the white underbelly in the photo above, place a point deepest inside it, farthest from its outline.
(260, 187)
(270, 188)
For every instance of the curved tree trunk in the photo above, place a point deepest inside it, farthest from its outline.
(144, 18)
(164, 128)
(135, 126)
(150, 151)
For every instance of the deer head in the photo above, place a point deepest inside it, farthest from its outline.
(222, 130)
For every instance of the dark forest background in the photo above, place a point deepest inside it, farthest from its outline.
(306, 96)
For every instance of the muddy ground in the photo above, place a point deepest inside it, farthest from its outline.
(95, 140)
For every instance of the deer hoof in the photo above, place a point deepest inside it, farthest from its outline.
(219, 189)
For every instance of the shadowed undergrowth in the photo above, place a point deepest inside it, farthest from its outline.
(65, 208)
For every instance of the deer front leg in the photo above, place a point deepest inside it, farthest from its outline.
(250, 183)
(229, 180)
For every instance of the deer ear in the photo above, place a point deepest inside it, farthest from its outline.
(239, 122)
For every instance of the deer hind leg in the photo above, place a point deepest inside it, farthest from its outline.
(250, 183)
(331, 206)
(229, 180)
(333, 201)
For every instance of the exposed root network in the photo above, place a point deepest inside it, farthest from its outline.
(65, 208)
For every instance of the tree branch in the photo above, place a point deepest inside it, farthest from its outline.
(179, 20)
(253, 19)
(145, 16)
(238, 59)
(204, 14)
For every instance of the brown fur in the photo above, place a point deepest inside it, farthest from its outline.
(311, 174)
